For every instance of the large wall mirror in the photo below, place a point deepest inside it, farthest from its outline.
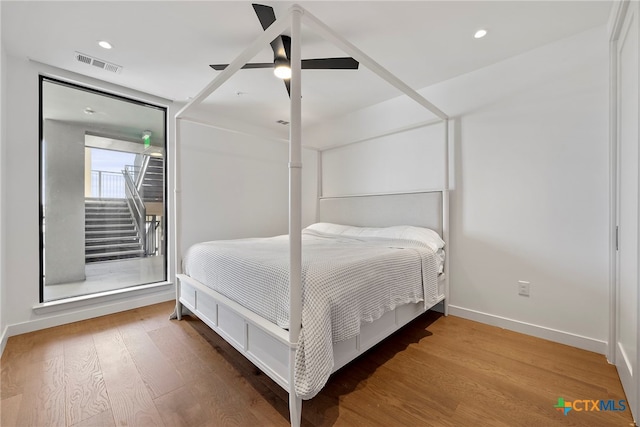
(102, 192)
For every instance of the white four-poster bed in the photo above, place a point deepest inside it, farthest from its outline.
(267, 343)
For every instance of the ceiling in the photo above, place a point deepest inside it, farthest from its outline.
(103, 115)
(165, 47)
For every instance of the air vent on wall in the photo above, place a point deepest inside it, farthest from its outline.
(99, 63)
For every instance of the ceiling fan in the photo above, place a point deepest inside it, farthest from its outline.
(281, 46)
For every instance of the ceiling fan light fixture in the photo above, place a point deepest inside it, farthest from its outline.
(282, 69)
(282, 72)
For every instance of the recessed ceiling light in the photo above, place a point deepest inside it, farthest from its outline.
(89, 111)
(480, 33)
(104, 44)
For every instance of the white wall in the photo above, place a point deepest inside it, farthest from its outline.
(531, 195)
(530, 188)
(235, 185)
(3, 61)
(410, 160)
(20, 207)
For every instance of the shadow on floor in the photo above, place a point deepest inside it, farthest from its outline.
(323, 409)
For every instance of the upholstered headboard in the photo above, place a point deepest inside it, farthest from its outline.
(422, 209)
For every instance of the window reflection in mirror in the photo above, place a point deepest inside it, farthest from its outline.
(102, 192)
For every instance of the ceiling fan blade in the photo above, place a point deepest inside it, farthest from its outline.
(287, 84)
(286, 45)
(266, 15)
(279, 48)
(221, 67)
(330, 64)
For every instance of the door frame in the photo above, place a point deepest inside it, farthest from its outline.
(616, 26)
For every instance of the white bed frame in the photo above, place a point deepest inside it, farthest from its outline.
(269, 347)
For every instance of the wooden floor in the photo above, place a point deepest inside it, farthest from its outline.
(139, 368)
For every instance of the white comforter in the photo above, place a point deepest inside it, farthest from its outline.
(346, 280)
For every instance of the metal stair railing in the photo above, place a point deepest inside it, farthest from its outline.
(107, 184)
(136, 205)
(143, 171)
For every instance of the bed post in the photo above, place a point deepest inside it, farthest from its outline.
(445, 216)
(295, 214)
(177, 312)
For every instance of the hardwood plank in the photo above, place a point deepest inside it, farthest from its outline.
(156, 371)
(85, 390)
(574, 362)
(131, 403)
(103, 419)
(9, 408)
(109, 322)
(156, 317)
(43, 403)
(225, 403)
(437, 371)
(229, 385)
(45, 344)
(23, 350)
(263, 397)
(180, 408)
(13, 367)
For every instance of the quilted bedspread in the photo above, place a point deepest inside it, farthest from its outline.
(345, 281)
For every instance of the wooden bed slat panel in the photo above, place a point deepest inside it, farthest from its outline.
(263, 347)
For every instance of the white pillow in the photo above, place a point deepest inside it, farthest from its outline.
(406, 232)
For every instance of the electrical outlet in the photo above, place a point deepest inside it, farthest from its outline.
(523, 288)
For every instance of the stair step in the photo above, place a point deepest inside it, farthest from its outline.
(115, 226)
(105, 202)
(117, 246)
(112, 239)
(117, 217)
(102, 214)
(108, 217)
(118, 254)
(107, 220)
(114, 233)
(107, 208)
(110, 231)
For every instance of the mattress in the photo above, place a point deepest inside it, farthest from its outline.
(348, 277)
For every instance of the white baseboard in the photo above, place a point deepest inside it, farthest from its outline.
(87, 312)
(562, 337)
(3, 340)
